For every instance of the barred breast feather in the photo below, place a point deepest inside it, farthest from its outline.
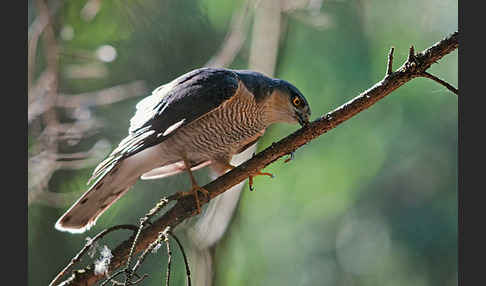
(223, 131)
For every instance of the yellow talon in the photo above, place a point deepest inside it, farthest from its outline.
(259, 173)
(194, 192)
(195, 187)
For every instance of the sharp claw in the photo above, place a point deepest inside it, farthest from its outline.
(251, 183)
(194, 192)
(266, 174)
(289, 158)
(258, 174)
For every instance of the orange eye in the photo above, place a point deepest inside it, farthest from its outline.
(296, 101)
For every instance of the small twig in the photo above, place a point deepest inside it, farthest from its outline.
(143, 222)
(411, 54)
(88, 245)
(140, 279)
(129, 272)
(114, 282)
(162, 203)
(188, 272)
(161, 237)
(112, 277)
(389, 70)
(39, 103)
(169, 256)
(438, 80)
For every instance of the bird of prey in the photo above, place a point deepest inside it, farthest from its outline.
(199, 119)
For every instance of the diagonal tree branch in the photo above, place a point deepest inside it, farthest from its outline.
(439, 81)
(415, 66)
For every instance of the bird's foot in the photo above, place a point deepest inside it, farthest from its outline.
(194, 192)
(259, 173)
(290, 158)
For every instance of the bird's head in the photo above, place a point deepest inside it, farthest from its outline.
(284, 101)
(288, 104)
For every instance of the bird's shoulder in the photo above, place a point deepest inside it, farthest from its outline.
(186, 97)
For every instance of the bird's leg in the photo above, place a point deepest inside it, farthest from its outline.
(195, 187)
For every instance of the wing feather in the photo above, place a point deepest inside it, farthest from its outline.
(170, 107)
(171, 169)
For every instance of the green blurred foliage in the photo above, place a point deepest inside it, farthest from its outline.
(373, 201)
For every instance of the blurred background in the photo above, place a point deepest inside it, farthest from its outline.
(372, 202)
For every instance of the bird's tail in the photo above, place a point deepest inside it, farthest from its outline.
(115, 180)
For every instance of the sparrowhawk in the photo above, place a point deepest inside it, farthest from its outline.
(199, 119)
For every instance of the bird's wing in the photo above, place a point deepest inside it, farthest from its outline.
(170, 107)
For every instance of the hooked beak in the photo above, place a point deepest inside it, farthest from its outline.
(303, 118)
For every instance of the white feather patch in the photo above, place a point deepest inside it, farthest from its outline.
(169, 170)
(173, 127)
(145, 107)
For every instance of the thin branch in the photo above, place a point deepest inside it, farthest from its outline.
(411, 55)
(438, 80)
(110, 95)
(103, 97)
(169, 258)
(143, 222)
(186, 207)
(35, 31)
(389, 69)
(162, 237)
(87, 247)
(43, 165)
(234, 39)
(38, 100)
(112, 277)
(188, 272)
(140, 279)
(129, 272)
(50, 116)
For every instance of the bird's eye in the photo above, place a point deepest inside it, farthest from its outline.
(296, 101)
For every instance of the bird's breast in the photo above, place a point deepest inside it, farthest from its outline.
(223, 131)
